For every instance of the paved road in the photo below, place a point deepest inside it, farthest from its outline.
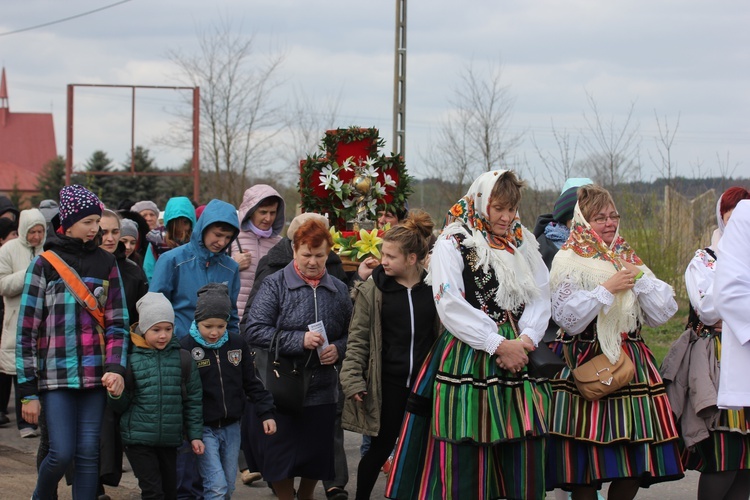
(18, 475)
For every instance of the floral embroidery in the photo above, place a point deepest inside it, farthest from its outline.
(444, 287)
(704, 256)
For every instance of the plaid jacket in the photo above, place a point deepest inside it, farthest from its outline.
(59, 345)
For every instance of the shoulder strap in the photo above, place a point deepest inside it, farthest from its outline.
(186, 360)
(75, 285)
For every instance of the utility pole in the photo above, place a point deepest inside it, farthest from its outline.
(399, 81)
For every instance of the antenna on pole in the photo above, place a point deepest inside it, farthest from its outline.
(399, 80)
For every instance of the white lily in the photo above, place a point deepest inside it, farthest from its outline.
(389, 180)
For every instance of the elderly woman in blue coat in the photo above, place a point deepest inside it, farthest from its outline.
(289, 302)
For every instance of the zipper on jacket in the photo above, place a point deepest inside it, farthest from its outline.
(221, 382)
(315, 302)
(411, 340)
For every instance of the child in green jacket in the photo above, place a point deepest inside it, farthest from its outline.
(156, 409)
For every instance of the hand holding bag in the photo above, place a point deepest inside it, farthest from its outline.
(284, 377)
(598, 377)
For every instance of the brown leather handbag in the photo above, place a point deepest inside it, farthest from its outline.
(598, 377)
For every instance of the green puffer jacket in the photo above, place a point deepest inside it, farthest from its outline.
(153, 410)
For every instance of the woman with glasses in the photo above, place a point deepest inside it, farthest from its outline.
(602, 293)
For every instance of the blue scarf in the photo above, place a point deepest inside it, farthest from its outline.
(196, 334)
(557, 233)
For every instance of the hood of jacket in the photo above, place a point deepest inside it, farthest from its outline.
(27, 220)
(179, 206)
(252, 198)
(215, 211)
(7, 206)
(138, 340)
(541, 222)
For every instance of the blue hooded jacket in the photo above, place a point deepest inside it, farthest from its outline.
(181, 272)
(178, 206)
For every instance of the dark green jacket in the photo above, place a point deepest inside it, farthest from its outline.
(152, 406)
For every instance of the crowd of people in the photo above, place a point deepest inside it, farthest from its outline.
(140, 331)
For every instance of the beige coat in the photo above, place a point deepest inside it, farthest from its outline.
(15, 257)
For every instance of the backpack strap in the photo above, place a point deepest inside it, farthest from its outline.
(75, 285)
(186, 361)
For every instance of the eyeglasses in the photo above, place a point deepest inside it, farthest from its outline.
(602, 219)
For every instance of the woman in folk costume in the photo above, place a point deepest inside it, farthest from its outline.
(476, 423)
(601, 295)
(716, 442)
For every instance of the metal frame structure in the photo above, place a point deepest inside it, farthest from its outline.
(399, 81)
(195, 173)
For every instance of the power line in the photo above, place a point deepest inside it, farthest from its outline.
(64, 19)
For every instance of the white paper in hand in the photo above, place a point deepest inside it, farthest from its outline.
(320, 328)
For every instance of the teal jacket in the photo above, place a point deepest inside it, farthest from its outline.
(178, 206)
(152, 406)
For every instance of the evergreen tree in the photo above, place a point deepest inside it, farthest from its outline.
(101, 185)
(170, 186)
(50, 180)
(137, 187)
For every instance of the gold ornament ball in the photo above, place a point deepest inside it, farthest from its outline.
(362, 183)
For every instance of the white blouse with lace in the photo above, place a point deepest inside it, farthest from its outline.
(574, 308)
(470, 325)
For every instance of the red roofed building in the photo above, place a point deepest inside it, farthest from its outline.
(27, 143)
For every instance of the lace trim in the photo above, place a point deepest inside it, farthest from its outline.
(644, 285)
(569, 320)
(602, 295)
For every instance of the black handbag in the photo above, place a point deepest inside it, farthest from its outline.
(543, 363)
(284, 377)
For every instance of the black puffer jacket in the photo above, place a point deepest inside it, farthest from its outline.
(548, 251)
(133, 281)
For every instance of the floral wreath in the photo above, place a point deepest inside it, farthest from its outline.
(326, 179)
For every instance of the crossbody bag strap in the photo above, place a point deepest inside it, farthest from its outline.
(75, 285)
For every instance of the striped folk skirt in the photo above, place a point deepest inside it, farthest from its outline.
(631, 433)
(728, 446)
(471, 430)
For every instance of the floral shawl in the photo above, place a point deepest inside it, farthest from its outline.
(586, 261)
(512, 256)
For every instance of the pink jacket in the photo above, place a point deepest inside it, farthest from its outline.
(248, 241)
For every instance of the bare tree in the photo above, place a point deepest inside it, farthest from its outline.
(239, 119)
(611, 148)
(475, 137)
(726, 169)
(307, 120)
(664, 144)
(561, 167)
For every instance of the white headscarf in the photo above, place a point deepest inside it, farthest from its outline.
(513, 256)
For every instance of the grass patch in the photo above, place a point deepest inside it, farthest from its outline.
(659, 339)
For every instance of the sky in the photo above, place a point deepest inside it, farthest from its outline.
(685, 61)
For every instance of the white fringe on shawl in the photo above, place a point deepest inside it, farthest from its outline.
(587, 273)
(514, 271)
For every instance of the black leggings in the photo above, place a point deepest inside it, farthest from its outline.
(391, 415)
